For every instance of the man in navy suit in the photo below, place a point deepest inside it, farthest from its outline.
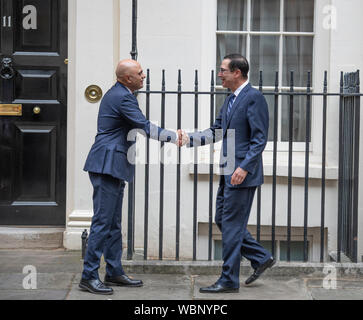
(243, 125)
(110, 163)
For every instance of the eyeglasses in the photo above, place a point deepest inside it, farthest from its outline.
(221, 70)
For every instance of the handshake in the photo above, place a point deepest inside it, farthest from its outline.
(182, 139)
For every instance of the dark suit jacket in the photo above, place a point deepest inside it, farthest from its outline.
(119, 114)
(249, 118)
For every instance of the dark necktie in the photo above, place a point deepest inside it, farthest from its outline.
(230, 103)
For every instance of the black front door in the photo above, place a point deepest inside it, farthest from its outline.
(33, 112)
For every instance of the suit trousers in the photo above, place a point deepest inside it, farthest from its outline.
(233, 208)
(105, 234)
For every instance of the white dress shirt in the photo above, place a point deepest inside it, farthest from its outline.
(239, 89)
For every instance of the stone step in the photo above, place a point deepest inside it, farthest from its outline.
(31, 237)
(280, 269)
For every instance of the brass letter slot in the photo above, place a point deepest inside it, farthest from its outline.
(10, 109)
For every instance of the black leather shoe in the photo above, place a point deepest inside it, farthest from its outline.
(261, 269)
(217, 288)
(95, 286)
(123, 280)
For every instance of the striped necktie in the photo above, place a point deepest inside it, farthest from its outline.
(230, 104)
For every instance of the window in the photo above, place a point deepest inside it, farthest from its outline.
(296, 249)
(274, 35)
(280, 244)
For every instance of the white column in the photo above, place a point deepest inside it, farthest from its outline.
(93, 51)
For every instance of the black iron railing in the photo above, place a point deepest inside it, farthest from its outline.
(349, 110)
(349, 99)
(348, 173)
(349, 166)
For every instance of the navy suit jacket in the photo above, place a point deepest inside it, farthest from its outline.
(249, 120)
(119, 114)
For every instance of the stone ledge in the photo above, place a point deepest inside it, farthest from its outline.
(31, 238)
(283, 269)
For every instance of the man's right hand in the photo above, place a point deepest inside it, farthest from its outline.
(183, 138)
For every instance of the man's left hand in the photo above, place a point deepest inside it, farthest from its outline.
(238, 176)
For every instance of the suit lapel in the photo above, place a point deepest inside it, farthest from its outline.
(238, 100)
(224, 115)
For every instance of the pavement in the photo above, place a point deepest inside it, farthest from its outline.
(55, 274)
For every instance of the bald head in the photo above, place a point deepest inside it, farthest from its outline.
(130, 74)
(124, 67)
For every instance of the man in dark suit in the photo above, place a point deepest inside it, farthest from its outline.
(243, 125)
(110, 163)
